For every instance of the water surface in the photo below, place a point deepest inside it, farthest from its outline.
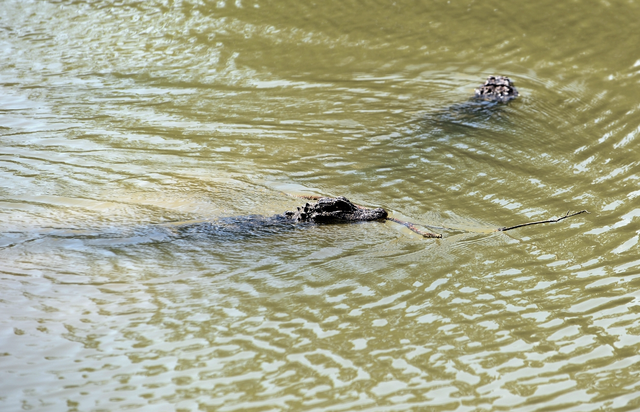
(120, 118)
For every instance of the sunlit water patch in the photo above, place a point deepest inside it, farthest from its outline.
(122, 121)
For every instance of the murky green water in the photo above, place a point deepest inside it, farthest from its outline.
(118, 116)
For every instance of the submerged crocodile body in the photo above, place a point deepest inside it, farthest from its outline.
(488, 102)
(327, 210)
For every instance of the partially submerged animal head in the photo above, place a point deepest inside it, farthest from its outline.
(497, 89)
(338, 209)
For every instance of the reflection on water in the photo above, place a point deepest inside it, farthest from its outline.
(119, 119)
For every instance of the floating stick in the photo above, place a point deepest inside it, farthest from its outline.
(552, 220)
(415, 229)
(424, 233)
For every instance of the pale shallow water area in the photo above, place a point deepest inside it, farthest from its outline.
(118, 119)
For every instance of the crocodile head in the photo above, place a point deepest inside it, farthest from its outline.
(497, 89)
(335, 210)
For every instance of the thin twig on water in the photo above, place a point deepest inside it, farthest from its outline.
(552, 220)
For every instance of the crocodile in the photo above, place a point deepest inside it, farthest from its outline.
(497, 89)
(487, 102)
(327, 210)
(335, 210)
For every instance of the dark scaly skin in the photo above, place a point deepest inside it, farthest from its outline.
(326, 211)
(341, 210)
(498, 89)
(335, 210)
